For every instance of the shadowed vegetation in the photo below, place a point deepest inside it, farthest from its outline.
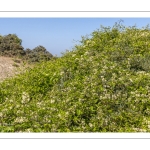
(10, 46)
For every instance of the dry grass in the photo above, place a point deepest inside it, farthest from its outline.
(9, 67)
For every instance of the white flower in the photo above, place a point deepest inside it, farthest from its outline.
(1, 114)
(77, 59)
(11, 101)
(20, 120)
(141, 72)
(73, 55)
(25, 97)
(39, 104)
(86, 53)
(90, 124)
(29, 130)
(59, 115)
(131, 80)
(17, 106)
(52, 100)
(62, 72)
(19, 112)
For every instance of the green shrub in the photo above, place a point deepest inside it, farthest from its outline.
(102, 85)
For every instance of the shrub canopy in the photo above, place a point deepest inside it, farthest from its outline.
(11, 46)
(101, 85)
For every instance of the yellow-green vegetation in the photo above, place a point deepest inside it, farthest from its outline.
(101, 85)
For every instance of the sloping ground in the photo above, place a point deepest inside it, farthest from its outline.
(6, 67)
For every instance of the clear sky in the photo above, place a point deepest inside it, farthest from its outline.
(58, 34)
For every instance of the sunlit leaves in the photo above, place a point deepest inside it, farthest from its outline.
(103, 85)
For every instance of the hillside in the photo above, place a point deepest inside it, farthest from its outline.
(101, 85)
(8, 67)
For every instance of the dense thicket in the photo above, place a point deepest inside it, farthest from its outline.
(102, 85)
(11, 46)
(38, 54)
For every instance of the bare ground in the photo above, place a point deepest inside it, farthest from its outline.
(8, 67)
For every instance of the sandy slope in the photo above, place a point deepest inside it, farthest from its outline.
(7, 68)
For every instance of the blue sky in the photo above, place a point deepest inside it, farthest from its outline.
(58, 34)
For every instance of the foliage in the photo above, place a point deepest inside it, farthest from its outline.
(10, 45)
(102, 85)
(38, 54)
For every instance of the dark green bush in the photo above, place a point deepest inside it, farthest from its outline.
(10, 46)
(38, 54)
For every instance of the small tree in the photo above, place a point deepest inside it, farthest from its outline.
(38, 54)
(10, 45)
